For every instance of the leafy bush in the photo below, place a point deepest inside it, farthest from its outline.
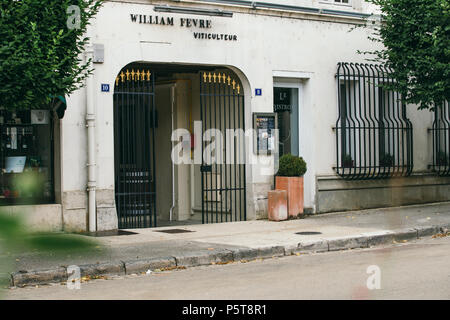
(291, 166)
(416, 42)
(40, 50)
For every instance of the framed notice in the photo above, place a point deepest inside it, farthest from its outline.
(265, 126)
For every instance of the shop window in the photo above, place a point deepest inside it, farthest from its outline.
(286, 107)
(26, 157)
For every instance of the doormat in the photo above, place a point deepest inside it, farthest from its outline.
(308, 233)
(108, 233)
(174, 231)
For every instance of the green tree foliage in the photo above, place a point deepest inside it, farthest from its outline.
(416, 39)
(40, 50)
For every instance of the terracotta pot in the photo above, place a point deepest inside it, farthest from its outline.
(294, 188)
(277, 205)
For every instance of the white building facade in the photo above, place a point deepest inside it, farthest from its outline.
(178, 60)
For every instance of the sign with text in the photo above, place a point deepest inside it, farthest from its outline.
(201, 26)
(105, 87)
(282, 99)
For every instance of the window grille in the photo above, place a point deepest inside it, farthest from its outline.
(373, 133)
(441, 140)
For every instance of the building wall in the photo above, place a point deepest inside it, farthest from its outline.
(288, 45)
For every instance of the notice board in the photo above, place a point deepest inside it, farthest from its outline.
(265, 126)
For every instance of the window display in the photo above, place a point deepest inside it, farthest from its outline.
(26, 157)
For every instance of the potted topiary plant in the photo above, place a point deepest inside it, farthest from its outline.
(290, 178)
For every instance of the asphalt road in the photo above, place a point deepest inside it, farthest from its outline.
(416, 270)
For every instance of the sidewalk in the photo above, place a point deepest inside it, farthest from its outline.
(149, 249)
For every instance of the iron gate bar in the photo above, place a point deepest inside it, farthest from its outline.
(373, 133)
(134, 126)
(223, 193)
(441, 139)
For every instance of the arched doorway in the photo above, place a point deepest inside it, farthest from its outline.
(150, 102)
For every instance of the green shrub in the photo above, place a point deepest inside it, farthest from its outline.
(291, 166)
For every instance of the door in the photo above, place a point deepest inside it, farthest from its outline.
(135, 121)
(223, 148)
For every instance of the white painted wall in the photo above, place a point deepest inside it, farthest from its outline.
(266, 45)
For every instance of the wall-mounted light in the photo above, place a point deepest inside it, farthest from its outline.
(198, 11)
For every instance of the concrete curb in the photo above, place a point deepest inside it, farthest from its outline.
(23, 278)
(140, 266)
(192, 259)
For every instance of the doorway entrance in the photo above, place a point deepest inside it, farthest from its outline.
(150, 102)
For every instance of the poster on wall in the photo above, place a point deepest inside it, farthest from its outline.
(265, 125)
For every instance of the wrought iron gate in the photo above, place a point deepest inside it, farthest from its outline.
(223, 168)
(134, 140)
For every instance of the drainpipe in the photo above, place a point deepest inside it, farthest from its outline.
(90, 124)
(173, 165)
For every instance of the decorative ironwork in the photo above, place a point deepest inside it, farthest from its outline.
(219, 77)
(373, 134)
(223, 182)
(134, 139)
(441, 140)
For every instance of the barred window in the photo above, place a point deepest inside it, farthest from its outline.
(373, 133)
(441, 140)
